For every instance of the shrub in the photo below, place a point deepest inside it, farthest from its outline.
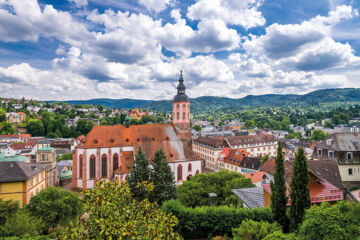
(250, 229)
(202, 222)
(279, 235)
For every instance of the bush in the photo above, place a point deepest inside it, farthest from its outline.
(250, 229)
(203, 222)
(279, 235)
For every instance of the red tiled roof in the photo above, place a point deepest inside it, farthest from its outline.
(150, 137)
(256, 176)
(237, 140)
(16, 136)
(215, 142)
(269, 166)
(19, 146)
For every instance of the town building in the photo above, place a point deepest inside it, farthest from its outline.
(346, 128)
(345, 149)
(47, 156)
(237, 160)
(209, 148)
(15, 118)
(10, 138)
(108, 152)
(136, 114)
(21, 181)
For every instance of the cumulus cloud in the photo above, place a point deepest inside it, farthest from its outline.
(307, 46)
(244, 13)
(155, 5)
(79, 3)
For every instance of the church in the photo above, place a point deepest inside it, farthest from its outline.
(108, 152)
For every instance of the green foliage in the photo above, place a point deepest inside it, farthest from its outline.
(197, 128)
(318, 135)
(83, 126)
(203, 222)
(249, 124)
(140, 172)
(35, 128)
(264, 159)
(299, 190)
(6, 128)
(8, 209)
(55, 206)
(26, 237)
(65, 156)
(339, 221)
(195, 192)
(2, 115)
(163, 179)
(279, 235)
(19, 224)
(278, 192)
(112, 213)
(250, 229)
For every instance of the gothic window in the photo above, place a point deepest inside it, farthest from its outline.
(80, 166)
(184, 116)
(178, 116)
(92, 167)
(115, 161)
(189, 167)
(179, 172)
(104, 166)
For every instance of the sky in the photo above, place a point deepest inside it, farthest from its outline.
(85, 49)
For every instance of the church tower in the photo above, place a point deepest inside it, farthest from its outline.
(181, 111)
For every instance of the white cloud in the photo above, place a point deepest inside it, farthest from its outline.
(80, 3)
(244, 12)
(155, 5)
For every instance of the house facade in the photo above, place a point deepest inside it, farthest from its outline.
(345, 149)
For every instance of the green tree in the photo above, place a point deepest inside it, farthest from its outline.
(140, 172)
(20, 224)
(279, 235)
(318, 135)
(195, 192)
(163, 178)
(197, 128)
(7, 209)
(112, 213)
(55, 206)
(249, 124)
(84, 127)
(339, 221)
(65, 156)
(299, 190)
(2, 115)
(250, 229)
(35, 128)
(278, 192)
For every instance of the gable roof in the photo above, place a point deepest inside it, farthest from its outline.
(19, 171)
(251, 197)
(216, 142)
(150, 137)
(269, 166)
(328, 170)
(345, 141)
(237, 140)
(256, 177)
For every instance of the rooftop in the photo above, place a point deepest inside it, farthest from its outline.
(19, 171)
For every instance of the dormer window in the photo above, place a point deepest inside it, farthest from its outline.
(328, 142)
(319, 152)
(330, 154)
(349, 155)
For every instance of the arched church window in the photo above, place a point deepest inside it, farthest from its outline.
(179, 172)
(104, 166)
(189, 167)
(92, 167)
(115, 161)
(178, 116)
(80, 166)
(184, 115)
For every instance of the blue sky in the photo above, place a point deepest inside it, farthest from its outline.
(82, 49)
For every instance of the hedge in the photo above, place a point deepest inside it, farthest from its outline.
(209, 221)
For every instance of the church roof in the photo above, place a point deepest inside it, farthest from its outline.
(150, 137)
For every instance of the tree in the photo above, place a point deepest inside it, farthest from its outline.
(84, 127)
(112, 213)
(318, 135)
(20, 224)
(195, 192)
(299, 190)
(250, 229)
(264, 159)
(2, 115)
(65, 156)
(140, 172)
(339, 221)
(197, 128)
(55, 206)
(249, 124)
(35, 128)
(8, 209)
(279, 235)
(163, 178)
(278, 192)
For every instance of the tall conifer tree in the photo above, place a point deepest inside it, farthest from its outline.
(299, 190)
(163, 179)
(278, 192)
(140, 172)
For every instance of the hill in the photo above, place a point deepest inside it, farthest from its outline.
(209, 103)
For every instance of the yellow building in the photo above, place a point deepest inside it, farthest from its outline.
(21, 181)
